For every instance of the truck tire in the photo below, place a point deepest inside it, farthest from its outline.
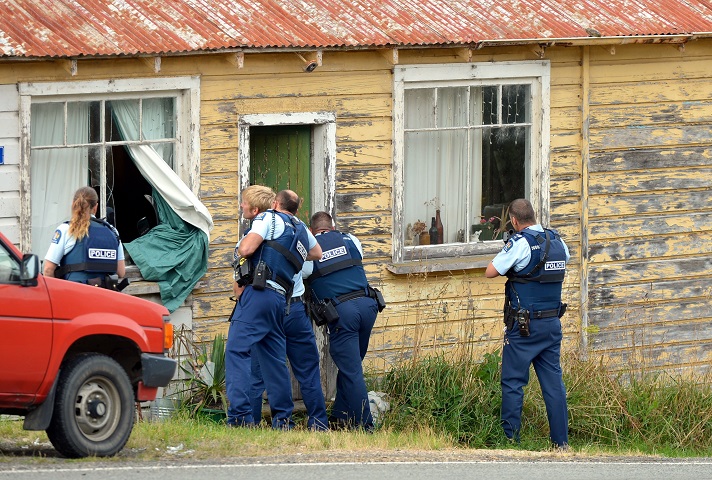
(94, 408)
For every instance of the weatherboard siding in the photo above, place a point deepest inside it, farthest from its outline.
(650, 173)
(630, 163)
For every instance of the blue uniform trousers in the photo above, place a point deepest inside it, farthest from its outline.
(303, 356)
(542, 349)
(257, 328)
(348, 344)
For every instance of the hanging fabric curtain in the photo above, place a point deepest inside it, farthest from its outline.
(58, 172)
(175, 252)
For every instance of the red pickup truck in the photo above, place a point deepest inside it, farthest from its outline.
(75, 359)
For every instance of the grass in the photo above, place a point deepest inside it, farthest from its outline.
(183, 437)
(650, 414)
(439, 405)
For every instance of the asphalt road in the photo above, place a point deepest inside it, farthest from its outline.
(411, 470)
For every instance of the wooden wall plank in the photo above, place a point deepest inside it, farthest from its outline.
(363, 201)
(668, 92)
(357, 178)
(660, 357)
(656, 246)
(636, 226)
(660, 181)
(646, 136)
(219, 185)
(294, 85)
(646, 292)
(681, 202)
(223, 137)
(647, 70)
(345, 106)
(364, 129)
(364, 153)
(9, 178)
(651, 270)
(645, 159)
(222, 208)
(659, 113)
(696, 312)
(365, 225)
(219, 160)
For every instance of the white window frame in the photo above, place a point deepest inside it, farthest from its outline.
(323, 156)
(535, 73)
(186, 90)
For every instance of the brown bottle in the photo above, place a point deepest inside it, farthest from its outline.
(439, 226)
(433, 232)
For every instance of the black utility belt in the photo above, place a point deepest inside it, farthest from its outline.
(270, 287)
(367, 292)
(554, 312)
(351, 296)
(298, 298)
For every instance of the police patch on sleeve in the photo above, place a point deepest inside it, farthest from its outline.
(57, 236)
(508, 245)
(260, 216)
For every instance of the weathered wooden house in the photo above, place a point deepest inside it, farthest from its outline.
(383, 112)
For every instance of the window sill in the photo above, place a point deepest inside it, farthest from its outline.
(139, 287)
(428, 265)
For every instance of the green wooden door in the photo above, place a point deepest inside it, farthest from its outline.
(280, 158)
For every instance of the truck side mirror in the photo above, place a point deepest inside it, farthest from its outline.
(30, 270)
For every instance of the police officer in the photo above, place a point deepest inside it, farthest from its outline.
(277, 246)
(302, 351)
(340, 277)
(534, 261)
(85, 249)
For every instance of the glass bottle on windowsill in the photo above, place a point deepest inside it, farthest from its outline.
(433, 232)
(439, 226)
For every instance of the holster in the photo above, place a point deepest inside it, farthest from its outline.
(507, 318)
(517, 316)
(243, 272)
(109, 282)
(260, 275)
(322, 312)
(380, 301)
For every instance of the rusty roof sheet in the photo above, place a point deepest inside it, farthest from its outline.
(71, 28)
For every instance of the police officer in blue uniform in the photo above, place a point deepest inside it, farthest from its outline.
(339, 278)
(276, 246)
(534, 261)
(303, 355)
(86, 249)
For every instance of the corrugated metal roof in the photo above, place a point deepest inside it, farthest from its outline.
(71, 28)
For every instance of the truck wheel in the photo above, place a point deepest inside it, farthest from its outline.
(94, 408)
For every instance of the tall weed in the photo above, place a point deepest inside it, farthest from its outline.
(457, 398)
(653, 413)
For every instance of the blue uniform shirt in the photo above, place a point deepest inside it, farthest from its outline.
(308, 267)
(270, 226)
(517, 253)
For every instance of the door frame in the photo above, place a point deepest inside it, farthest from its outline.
(323, 158)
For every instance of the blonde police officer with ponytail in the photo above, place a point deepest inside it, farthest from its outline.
(85, 249)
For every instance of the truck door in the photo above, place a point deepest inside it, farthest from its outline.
(26, 326)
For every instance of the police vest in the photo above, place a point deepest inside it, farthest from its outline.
(538, 285)
(340, 270)
(93, 255)
(284, 255)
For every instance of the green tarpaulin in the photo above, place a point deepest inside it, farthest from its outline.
(173, 253)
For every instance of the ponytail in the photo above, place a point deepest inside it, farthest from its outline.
(85, 199)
